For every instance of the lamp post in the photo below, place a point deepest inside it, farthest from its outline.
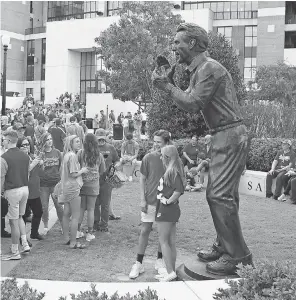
(5, 43)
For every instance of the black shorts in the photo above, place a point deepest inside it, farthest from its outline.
(167, 213)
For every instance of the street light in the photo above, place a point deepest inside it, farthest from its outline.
(5, 43)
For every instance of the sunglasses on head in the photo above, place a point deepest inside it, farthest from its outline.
(25, 145)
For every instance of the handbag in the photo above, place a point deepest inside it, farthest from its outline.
(115, 178)
(58, 193)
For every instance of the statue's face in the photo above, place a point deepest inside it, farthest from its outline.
(181, 47)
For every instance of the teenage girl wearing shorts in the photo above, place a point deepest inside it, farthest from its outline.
(171, 187)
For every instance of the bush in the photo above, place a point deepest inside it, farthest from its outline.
(275, 280)
(93, 294)
(269, 120)
(262, 153)
(11, 291)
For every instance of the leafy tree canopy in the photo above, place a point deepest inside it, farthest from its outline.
(129, 48)
(277, 83)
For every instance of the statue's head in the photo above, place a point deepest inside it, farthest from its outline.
(190, 40)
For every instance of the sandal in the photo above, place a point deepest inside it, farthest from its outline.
(78, 246)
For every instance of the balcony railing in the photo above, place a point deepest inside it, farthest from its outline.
(35, 30)
(291, 19)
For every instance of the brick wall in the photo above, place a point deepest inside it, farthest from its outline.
(270, 44)
(15, 16)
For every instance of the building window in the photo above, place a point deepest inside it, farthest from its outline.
(43, 54)
(30, 59)
(228, 9)
(250, 61)
(113, 7)
(67, 10)
(290, 39)
(227, 32)
(42, 94)
(90, 82)
(29, 91)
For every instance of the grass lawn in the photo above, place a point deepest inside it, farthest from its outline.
(268, 228)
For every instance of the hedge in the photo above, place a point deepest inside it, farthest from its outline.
(267, 281)
(10, 290)
(260, 157)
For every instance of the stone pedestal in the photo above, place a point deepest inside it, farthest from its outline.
(197, 271)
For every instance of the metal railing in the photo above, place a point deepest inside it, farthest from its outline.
(35, 30)
(291, 19)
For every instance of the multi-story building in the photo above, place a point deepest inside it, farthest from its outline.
(52, 48)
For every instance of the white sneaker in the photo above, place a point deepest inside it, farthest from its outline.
(11, 256)
(79, 234)
(136, 270)
(169, 277)
(26, 248)
(159, 264)
(162, 272)
(283, 198)
(45, 231)
(130, 178)
(90, 237)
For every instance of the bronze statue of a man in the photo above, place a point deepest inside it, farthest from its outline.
(212, 92)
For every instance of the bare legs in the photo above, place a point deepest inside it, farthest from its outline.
(167, 240)
(71, 208)
(88, 203)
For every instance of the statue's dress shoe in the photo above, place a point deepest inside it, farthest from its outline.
(210, 255)
(226, 265)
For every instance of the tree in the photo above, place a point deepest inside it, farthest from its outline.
(277, 83)
(129, 48)
(166, 115)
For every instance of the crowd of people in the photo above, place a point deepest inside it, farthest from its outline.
(69, 165)
(131, 123)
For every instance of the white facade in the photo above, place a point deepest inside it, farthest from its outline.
(290, 56)
(65, 40)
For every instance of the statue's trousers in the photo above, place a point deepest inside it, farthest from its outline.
(228, 159)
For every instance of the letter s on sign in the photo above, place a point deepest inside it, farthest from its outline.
(250, 185)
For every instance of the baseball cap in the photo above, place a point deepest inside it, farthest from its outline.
(101, 134)
(287, 142)
(18, 126)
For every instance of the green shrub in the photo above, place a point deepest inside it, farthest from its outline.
(269, 120)
(262, 153)
(11, 291)
(93, 294)
(267, 281)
